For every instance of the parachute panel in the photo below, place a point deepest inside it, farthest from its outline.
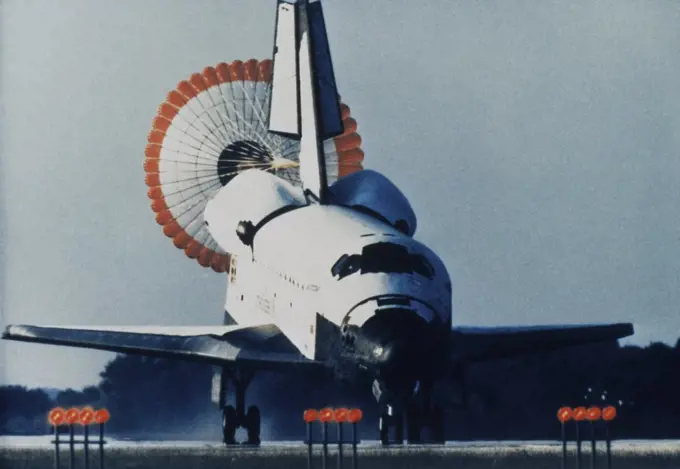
(211, 128)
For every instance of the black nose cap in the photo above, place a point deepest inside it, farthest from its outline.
(394, 355)
(395, 341)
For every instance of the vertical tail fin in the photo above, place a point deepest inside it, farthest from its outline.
(284, 106)
(304, 101)
(326, 91)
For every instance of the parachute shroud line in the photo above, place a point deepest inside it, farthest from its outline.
(212, 127)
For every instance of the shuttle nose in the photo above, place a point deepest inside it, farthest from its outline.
(395, 344)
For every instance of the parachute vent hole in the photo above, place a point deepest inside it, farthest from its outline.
(239, 156)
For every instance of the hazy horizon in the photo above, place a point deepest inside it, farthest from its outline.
(537, 143)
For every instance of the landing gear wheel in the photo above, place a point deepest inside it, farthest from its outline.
(399, 429)
(437, 420)
(229, 425)
(414, 426)
(386, 421)
(253, 425)
(384, 428)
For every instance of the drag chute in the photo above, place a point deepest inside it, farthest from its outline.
(209, 129)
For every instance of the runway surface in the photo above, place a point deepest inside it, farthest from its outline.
(38, 453)
(43, 441)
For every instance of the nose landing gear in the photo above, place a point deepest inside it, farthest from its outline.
(418, 419)
(389, 418)
(420, 413)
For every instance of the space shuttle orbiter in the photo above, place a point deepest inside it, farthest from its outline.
(255, 169)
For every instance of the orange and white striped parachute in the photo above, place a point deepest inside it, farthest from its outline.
(210, 128)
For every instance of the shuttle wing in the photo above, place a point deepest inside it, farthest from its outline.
(474, 344)
(260, 347)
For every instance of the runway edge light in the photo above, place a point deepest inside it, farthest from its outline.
(609, 413)
(326, 415)
(355, 415)
(311, 415)
(594, 414)
(579, 414)
(340, 417)
(56, 416)
(86, 416)
(78, 416)
(102, 416)
(71, 415)
(565, 414)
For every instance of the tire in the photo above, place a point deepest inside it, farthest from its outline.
(384, 429)
(229, 425)
(437, 423)
(253, 425)
(399, 429)
(414, 426)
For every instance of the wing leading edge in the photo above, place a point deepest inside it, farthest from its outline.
(260, 347)
(475, 344)
(266, 347)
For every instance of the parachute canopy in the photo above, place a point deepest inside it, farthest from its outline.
(209, 129)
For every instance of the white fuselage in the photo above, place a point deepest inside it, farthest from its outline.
(287, 275)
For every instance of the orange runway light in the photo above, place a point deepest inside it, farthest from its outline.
(71, 415)
(86, 416)
(579, 414)
(326, 415)
(609, 413)
(355, 415)
(341, 415)
(310, 415)
(565, 414)
(56, 416)
(594, 413)
(101, 416)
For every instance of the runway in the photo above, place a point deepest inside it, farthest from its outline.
(37, 453)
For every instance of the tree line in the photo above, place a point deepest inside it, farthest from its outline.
(507, 399)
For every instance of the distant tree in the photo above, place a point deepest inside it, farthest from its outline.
(23, 410)
(508, 399)
(148, 394)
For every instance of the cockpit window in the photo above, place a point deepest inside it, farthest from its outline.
(383, 258)
(346, 265)
(421, 266)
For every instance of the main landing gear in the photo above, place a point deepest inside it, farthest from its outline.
(234, 417)
(417, 420)
(420, 414)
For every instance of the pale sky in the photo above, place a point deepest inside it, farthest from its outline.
(537, 142)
